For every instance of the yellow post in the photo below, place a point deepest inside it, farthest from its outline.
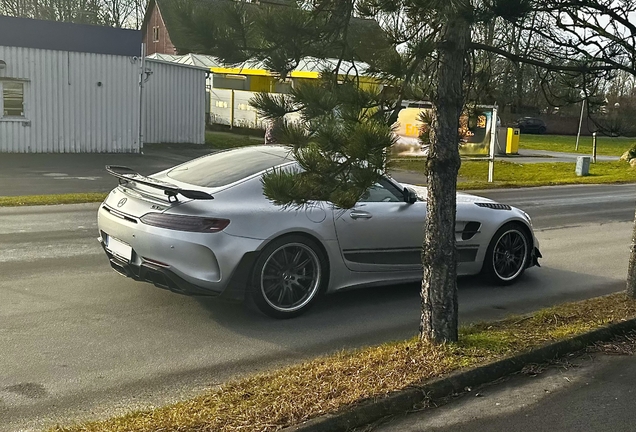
(232, 109)
(512, 141)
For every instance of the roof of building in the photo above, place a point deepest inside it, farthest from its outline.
(165, 59)
(62, 36)
(309, 67)
(366, 37)
(201, 60)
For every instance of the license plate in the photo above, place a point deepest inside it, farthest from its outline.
(119, 248)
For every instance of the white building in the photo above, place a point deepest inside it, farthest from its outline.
(231, 87)
(174, 103)
(70, 88)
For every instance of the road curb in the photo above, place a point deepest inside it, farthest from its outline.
(400, 402)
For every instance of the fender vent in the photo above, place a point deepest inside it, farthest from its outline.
(470, 230)
(494, 206)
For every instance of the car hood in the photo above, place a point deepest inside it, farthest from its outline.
(462, 198)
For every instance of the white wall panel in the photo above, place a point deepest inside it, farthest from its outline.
(223, 102)
(174, 104)
(221, 106)
(66, 111)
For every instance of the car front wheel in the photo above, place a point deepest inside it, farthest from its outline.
(508, 254)
(288, 276)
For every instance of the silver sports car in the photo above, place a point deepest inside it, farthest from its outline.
(205, 228)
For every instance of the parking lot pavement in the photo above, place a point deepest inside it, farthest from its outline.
(43, 174)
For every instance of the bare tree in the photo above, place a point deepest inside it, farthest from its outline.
(80, 11)
(122, 13)
(602, 32)
(115, 13)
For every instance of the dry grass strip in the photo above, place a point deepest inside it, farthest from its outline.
(276, 399)
(33, 200)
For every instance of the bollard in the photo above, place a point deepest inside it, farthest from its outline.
(594, 147)
(582, 166)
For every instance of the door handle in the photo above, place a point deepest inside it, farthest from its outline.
(360, 215)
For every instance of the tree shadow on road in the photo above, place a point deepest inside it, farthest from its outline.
(374, 315)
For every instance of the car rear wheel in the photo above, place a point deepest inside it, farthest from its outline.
(542, 130)
(289, 276)
(508, 254)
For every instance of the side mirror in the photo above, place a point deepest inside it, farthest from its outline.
(409, 196)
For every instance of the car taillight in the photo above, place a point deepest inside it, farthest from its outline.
(185, 223)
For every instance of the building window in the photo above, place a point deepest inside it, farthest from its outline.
(155, 34)
(12, 98)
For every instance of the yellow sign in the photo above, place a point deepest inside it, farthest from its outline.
(409, 123)
(474, 131)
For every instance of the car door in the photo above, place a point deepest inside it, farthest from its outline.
(382, 232)
(535, 125)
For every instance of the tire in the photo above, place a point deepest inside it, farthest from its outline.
(542, 130)
(508, 254)
(289, 276)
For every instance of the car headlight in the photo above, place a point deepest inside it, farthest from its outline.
(527, 217)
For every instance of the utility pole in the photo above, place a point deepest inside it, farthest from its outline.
(578, 135)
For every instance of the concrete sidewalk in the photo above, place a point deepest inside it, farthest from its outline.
(586, 394)
(535, 156)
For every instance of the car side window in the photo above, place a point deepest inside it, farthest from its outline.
(382, 191)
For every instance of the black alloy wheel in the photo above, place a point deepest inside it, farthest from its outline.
(508, 254)
(289, 275)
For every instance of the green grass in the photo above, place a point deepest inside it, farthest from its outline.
(70, 198)
(474, 174)
(275, 399)
(605, 146)
(226, 140)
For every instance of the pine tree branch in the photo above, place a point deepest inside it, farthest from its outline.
(539, 63)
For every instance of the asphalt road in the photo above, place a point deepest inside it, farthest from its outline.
(78, 341)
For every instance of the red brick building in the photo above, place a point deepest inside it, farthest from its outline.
(164, 34)
(161, 32)
(155, 32)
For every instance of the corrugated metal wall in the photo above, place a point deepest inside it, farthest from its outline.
(66, 109)
(174, 104)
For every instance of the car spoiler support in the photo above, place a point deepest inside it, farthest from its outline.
(127, 175)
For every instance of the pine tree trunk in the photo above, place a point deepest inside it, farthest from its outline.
(631, 272)
(439, 256)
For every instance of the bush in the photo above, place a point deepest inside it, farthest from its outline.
(629, 154)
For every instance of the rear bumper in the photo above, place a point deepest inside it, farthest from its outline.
(158, 276)
(216, 264)
(165, 278)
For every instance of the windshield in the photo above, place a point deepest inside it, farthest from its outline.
(223, 168)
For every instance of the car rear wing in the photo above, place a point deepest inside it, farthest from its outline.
(129, 176)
